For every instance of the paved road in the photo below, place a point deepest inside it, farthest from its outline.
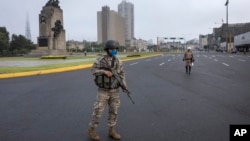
(170, 105)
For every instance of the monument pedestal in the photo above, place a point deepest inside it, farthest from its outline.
(51, 38)
(39, 53)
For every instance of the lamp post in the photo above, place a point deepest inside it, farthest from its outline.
(226, 4)
(157, 48)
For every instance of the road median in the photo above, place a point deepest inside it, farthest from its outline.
(40, 72)
(58, 70)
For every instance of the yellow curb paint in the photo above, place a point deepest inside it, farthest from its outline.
(40, 72)
(30, 73)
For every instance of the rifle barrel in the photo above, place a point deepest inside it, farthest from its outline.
(131, 99)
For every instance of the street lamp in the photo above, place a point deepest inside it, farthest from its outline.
(226, 4)
(157, 49)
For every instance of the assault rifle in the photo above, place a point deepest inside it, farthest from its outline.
(118, 79)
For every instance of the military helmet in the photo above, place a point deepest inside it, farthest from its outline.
(111, 44)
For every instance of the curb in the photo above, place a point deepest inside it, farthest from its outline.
(58, 70)
(40, 72)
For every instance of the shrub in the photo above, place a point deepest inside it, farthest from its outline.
(134, 55)
(53, 57)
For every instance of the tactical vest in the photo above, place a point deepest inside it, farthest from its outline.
(103, 81)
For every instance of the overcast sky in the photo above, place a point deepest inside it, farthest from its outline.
(153, 18)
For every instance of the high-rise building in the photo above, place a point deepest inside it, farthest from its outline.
(126, 9)
(110, 26)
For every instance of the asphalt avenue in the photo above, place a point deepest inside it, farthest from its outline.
(170, 105)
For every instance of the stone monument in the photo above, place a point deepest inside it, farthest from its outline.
(51, 40)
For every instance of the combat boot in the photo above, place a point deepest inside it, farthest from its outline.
(186, 69)
(93, 135)
(114, 134)
(189, 70)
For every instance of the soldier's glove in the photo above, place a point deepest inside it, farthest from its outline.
(125, 89)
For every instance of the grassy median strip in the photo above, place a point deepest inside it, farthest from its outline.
(7, 70)
(4, 70)
(39, 58)
(19, 59)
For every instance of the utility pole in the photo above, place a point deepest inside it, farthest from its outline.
(157, 48)
(226, 4)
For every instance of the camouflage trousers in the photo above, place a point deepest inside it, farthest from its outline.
(104, 97)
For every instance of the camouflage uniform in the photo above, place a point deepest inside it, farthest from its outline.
(106, 95)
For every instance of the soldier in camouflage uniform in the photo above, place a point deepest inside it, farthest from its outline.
(108, 90)
(189, 58)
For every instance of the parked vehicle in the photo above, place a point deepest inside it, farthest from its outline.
(234, 51)
(219, 50)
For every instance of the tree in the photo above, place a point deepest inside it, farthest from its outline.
(20, 45)
(96, 47)
(4, 41)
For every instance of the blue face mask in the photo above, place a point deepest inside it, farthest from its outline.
(113, 53)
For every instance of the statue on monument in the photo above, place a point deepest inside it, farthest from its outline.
(51, 39)
(58, 28)
(54, 3)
